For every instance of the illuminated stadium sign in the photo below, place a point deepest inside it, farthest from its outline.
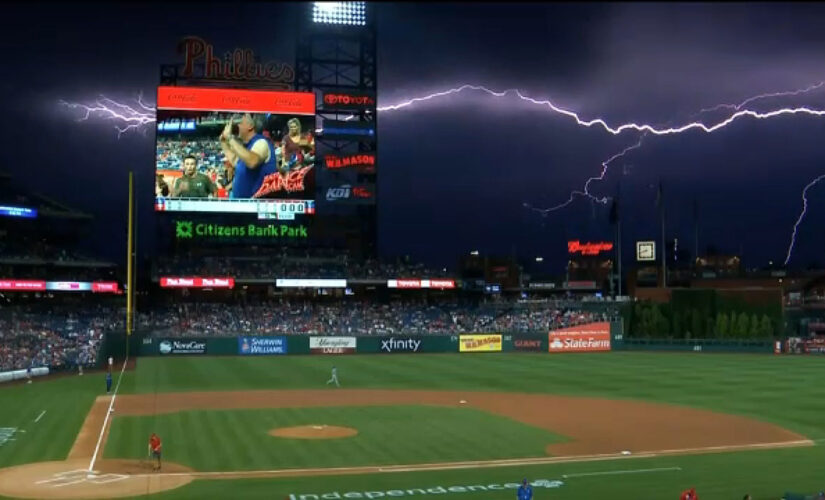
(58, 286)
(417, 283)
(364, 162)
(12, 211)
(349, 100)
(239, 65)
(588, 248)
(187, 229)
(168, 282)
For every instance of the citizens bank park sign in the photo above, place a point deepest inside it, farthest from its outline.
(187, 229)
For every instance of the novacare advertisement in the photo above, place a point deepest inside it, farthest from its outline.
(182, 346)
(432, 490)
(479, 343)
(261, 345)
(332, 345)
(585, 338)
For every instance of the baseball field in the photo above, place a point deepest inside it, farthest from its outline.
(619, 425)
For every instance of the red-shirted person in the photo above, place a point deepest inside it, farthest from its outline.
(689, 495)
(154, 448)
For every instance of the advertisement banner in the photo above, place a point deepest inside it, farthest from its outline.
(400, 344)
(531, 345)
(310, 283)
(182, 346)
(22, 285)
(332, 345)
(349, 100)
(348, 130)
(585, 338)
(169, 282)
(352, 195)
(479, 343)
(261, 345)
(69, 286)
(413, 283)
(362, 162)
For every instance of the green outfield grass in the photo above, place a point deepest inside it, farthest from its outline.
(387, 435)
(785, 390)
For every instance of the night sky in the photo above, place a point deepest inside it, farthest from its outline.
(456, 172)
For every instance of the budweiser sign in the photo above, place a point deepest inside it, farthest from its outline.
(588, 248)
(167, 282)
(364, 162)
(238, 65)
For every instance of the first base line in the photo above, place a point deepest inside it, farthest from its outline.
(481, 464)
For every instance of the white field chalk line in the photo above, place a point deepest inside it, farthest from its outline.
(40, 416)
(618, 472)
(481, 464)
(106, 419)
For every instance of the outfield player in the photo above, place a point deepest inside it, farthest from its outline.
(154, 448)
(108, 382)
(334, 377)
(525, 491)
(689, 495)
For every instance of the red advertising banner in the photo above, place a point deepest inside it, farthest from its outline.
(105, 287)
(22, 285)
(363, 162)
(584, 338)
(167, 282)
(236, 100)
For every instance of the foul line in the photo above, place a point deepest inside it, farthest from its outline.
(478, 464)
(618, 472)
(106, 419)
(40, 416)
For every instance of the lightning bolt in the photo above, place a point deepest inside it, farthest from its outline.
(586, 191)
(615, 130)
(801, 215)
(128, 117)
(787, 93)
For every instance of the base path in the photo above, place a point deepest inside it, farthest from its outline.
(598, 429)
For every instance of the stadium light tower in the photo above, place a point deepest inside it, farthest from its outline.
(346, 13)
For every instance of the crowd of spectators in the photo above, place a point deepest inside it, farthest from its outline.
(65, 336)
(57, 338)
(33, 250)
(349, 317)
(170, 153)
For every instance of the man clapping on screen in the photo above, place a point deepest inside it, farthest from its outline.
(251, 155)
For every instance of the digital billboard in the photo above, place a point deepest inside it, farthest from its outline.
(235, 151)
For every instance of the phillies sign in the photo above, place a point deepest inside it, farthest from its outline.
(588, 248)
(364, 162)
(238, 65)
(167, 282)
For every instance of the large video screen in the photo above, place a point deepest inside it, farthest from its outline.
(235, 151)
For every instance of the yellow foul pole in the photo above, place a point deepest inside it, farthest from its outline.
(129, 279)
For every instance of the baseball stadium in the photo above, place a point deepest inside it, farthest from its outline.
(266, 349)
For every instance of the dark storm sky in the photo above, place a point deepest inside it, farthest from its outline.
(456, 171)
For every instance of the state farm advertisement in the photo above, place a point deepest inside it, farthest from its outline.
(479, 343)
(585, 338)
(332, 345)
(167, 282)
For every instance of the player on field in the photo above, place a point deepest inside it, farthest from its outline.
(334, 377)
(525, 491)
(154, 448)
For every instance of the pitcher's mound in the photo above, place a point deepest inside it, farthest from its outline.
(70, 479)
(313, 432)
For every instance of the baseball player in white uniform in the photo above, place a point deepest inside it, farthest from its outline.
(334, 377)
